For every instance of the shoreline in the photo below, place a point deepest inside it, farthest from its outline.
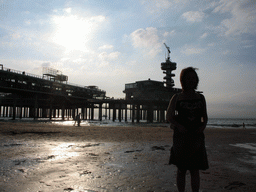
(221, 123)
(50, 157)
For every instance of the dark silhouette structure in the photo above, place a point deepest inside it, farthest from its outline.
(24, 95)
(154, 90)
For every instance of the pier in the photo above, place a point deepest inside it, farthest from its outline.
(24, 95)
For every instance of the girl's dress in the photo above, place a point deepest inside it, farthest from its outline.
(188, 151)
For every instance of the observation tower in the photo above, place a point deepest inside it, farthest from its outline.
(167, 68)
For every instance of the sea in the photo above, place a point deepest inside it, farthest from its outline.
(222, 123)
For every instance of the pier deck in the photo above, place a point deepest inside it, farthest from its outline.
(26, 95)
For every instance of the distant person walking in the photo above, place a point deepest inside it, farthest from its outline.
(188, 117)
(78, 120)
(243, 126)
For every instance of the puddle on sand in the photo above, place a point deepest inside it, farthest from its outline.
(250, 158)
(85, 166)
(250, 146)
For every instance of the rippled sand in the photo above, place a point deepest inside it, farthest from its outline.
(45, 157)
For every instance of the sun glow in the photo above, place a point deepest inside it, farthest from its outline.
(73, 32)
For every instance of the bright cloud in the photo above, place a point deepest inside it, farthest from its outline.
(147, 39)
(111, 56)
(106, 58)
(106, 47)
(193, 16)
(190, 50)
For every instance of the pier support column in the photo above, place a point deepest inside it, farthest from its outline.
(114, 112)
(82, 113)
(158, 114)
(125, 113)
(7, 111)
(21, 111)
(44, 112)
(109, 112)
(63, 112)
(54, 112)
(73, 113)
(85, 113)
(150, 113)
(138, 113)
(133, 112)
(162, 116)
(100, 111)
(50, 112)
(106, 110)
(14, 106)
(36, 109)
(10, 111)
(120, 112)
(92, 111)
(25, 112)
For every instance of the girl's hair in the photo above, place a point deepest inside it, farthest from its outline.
(183, 75)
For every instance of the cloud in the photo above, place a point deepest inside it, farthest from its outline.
(172, 33)
(111, 56)
(226, 52)
(242, 17)
(147, 39)
(193, 16)
(28, 22)
(189, 50)
(16, 36)
(106, 47)
(105, 58)
(204, 36)
(68, 10)
(47, 64)
(211, 44)
(160, 5)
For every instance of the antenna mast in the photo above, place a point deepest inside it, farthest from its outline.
(168, 49)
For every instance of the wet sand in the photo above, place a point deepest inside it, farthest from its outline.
(46, 157)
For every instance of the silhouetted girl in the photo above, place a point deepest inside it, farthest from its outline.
(188, 117)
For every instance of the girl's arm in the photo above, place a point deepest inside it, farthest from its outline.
(205, 116)
(170, 116)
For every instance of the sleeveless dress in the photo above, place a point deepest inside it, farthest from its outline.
(188, 151)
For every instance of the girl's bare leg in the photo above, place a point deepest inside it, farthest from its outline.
(181, 180)
(195, 180)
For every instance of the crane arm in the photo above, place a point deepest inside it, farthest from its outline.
(168, 48)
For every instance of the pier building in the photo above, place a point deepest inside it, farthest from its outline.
(152, 90)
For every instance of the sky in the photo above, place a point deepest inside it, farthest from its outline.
(111, 43)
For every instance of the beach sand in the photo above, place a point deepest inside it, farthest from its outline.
(47, 157)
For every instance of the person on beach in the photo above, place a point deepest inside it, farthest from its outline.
(188, 117)
(78, 120)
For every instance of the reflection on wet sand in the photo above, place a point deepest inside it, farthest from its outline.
(43, 157)
(62, 151)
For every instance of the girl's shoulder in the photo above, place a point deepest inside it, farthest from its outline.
(195, 96)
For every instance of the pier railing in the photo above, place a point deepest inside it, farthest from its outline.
(41, 77)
